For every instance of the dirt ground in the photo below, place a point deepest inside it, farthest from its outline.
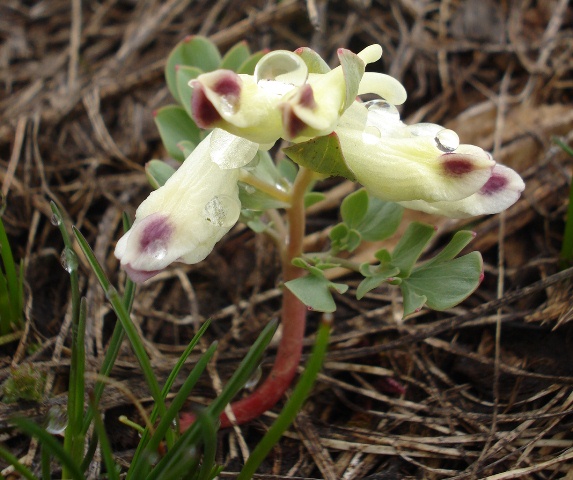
(482, 391)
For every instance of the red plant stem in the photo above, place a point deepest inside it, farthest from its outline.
(293, 319)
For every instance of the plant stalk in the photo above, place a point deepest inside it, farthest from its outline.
(293, 319)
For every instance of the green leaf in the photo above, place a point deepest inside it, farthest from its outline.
(50, 443)
(314, 291)
(193, 51)
(236, 56)
(354, 208)
(254, 199)
(311, 198)
(413, 302)
(187, 147)
(322, 155)
(265, 170)
(183, 75)
(353, 240)
(287, 169)
(381, 220)
(248, 66)
(158, 172)
(353, 68)
(411, 246)
(175, 126)
(293, 405)
(443, 284)
(252, 218)
(376, 277)
(458, 242)
(313, 60)
(13, 298)
(192, 436)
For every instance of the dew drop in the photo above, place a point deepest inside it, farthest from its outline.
(254, 379)
(425, 129)
(55, 220)
(280, 71)
(371, 135)
(56, 420)
(157, 249)
(250, 189)
(447, 140)
(222, 211)
(382, 108)
(111, 292)
(228, 107)
(384, 116)
(69, 260)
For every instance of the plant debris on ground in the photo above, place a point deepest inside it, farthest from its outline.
(484, 390)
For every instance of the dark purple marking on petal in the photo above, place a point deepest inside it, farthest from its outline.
(156, 228)
(457, 165)
(306, 97)
(204, 113)
(292, 124)
(495, 184)
(229, 85)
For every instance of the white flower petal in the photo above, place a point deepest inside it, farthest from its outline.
(502, 190)
(184, 219)
(229, 151)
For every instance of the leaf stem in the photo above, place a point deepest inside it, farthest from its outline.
(263, 186)
(293, 319)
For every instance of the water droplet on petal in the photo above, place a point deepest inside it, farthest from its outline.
(371, 135)
(222, 211)
(157, 249)
(250, 189)
(447, 140)
(55, 219)
(228, 107)
(254, 379)
(382, 107)
(69, 260)
(425, 129)
(56, 420)
(280, 71)
(384, 116)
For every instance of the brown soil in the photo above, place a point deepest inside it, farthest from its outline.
(488, 385)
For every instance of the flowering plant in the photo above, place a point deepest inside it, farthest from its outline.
(233, 110)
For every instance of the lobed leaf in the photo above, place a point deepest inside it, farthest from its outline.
(236, 56)
(411, 246)
(445, 284)
(175, 126)
(193, 51)
(158, 172)
(183, 75)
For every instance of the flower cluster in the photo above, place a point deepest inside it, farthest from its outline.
(296, 97)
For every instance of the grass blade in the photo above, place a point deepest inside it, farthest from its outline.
(13, 460)
(73, 437)
(123, 316)
(14, 283)
(293, 404)
(146, 448)
(54, 447)
(566, 253)
(192, 436)
(105, 447)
